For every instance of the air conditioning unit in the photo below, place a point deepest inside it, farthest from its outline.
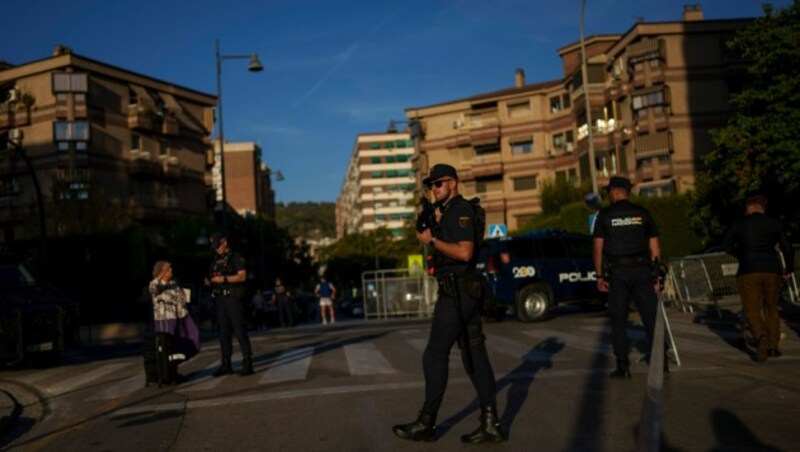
(458, 123)
(569, 148)
(15, 134)
(13, 95)
(551, 153)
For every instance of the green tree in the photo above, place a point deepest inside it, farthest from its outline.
(307, 219)
(759, 148)
(558, 193)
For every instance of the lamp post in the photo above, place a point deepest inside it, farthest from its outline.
(254, 66)
(585, 83)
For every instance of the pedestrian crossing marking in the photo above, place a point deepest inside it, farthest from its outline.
(365, 359)
(79, 380)
(121, 389)
(290, 365)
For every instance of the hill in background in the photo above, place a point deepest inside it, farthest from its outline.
(310, 220)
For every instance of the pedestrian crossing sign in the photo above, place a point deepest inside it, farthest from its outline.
(497, 230)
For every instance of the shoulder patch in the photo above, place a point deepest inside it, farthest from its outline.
(463, 222)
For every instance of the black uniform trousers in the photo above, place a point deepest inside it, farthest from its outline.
(231, 320)
(446, 329)
(628, 284)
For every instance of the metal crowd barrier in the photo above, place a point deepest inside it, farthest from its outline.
(397, 293)
(709, 280)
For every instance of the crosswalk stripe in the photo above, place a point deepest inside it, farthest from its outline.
(365, 359)
(521, 351)
(80, 380)
(203, 380)
(121, 389)
(290, 365)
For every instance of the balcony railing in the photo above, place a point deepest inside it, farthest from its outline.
(653, 145)
(645, 49)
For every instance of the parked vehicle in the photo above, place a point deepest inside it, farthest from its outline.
(531, 273)
(36, 319)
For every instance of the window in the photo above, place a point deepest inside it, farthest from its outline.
(377, 174)
(553, 248)
(648, 99)
(519, 110)
(402, 158)
(525, 183)
(391, 173)
(569, 137)
(136, 142)
(555, 104)
(65, 132)
(522, 147)
(558, 140)
(376, 160)
(522, 249)
(389, 145)
(390, 159)
(565, 101)
(579, 248)
(374, 145)
(64, 82)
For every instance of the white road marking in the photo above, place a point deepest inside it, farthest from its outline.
(80, 380)
(364, 359)
(290, 365)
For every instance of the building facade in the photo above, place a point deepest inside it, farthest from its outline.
(655, 92)
(133, 148)
(248, 181)
(378, 189)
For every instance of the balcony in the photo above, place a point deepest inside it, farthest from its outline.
(646, 49)
(653, 145)
(142, 166)
(170, 126)
(140, 117)
(14, 117)
(487, 165)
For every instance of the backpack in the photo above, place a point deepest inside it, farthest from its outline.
(480, 221)
(488, 306)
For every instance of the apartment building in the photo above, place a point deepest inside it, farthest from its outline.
(379, 185)
(654, 92)
(92, 131)
(248, 181)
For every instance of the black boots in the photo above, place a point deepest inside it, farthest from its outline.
(423, 429)
(247, 367)
(224, 368)
(622, 372)
(489, 431)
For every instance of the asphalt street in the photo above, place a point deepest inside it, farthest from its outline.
(342, 387)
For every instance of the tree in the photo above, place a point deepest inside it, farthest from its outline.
(557, 194)
(759, 148)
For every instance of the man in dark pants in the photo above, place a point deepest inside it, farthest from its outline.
(456, 316)
(226, 277)
(755, 241)
(626, 256)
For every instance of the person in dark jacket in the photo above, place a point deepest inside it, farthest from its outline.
(756, 241)
(626, 253)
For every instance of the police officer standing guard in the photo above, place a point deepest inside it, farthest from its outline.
(456, 316)
(226, 277)
(626, 260)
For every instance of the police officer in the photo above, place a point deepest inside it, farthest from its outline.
(456, 316)
(226, 277)
(626, 258)
(753, 241)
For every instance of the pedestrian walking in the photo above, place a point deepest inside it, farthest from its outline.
(282, 298)
(627, 255)
(259, 306)
(456, 317)
(756, 241)
(227, 276)
(327, 294)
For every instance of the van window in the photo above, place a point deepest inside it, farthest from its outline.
(579, 248)
(522, 249)
(553, 248)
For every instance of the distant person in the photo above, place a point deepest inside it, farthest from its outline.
(282, 298)
(327, 294)
(259, 304)
(755, 241)
(226, 278)
(627, 255)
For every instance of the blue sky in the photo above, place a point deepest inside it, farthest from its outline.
(333, 69)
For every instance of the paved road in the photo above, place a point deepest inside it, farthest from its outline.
(343, 386)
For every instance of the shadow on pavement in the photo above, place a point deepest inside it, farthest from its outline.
(733, 434)
(518, 380)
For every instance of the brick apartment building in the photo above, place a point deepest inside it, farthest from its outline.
(655, 92)
(92, 130)
(248, 181)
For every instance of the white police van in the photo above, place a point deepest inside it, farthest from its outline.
(532, 272)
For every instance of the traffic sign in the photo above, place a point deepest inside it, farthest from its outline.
(497, 230)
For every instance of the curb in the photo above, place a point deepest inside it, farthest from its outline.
(9, 410)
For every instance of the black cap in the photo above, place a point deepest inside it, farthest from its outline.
(439, 171)
(216, 239)
(757, 198)
(619, 182)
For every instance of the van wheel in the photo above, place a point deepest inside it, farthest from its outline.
(534, 302)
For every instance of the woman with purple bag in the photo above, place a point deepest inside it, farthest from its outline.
(170, 313)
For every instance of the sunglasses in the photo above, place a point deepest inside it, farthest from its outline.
(438, 183)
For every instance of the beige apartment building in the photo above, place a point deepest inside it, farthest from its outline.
(94, 131)
(248, 181)
(655, 93)
(378, 189)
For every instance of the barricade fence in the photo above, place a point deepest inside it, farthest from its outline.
(397, 293)
(709, 280)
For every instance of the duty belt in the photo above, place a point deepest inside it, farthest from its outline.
(448, 285)
(628, 261)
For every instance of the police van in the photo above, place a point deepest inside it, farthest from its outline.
(530, 273)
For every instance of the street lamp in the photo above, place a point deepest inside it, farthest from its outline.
(254, 66)
(585, 82)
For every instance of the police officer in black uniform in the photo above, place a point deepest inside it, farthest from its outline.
(626, 259)
(226, 277)
(456, 317)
